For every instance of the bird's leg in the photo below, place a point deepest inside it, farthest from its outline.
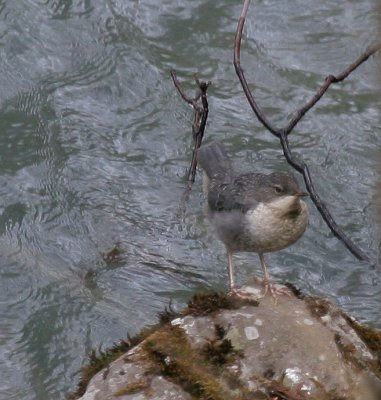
(233, 291)
(230, 270)
(267, 283)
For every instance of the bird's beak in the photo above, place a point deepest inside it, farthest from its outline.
(302, 194)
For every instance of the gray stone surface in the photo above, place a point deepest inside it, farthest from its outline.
(127, 370)
(297, 348)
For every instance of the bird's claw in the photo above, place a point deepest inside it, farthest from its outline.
(243, 294)
(256, 294)
(274, 289)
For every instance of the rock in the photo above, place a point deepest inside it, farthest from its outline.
(220, 348)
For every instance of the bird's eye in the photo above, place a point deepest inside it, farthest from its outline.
(278, 189)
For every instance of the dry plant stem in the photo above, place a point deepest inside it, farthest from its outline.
(282, 133)
(198, 129)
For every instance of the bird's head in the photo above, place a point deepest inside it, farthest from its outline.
(282, 193)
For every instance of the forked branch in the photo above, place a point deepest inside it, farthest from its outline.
(198, 128)
(282, 133)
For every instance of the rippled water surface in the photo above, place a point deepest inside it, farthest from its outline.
(94, 147)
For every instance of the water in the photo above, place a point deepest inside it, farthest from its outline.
(94, 148)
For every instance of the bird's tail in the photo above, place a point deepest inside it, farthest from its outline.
(214, 160)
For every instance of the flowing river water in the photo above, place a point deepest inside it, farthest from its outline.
(95, 143)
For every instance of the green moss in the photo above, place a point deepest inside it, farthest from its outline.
(217, 353)
(167, 315)
(101, 359)
(133, 388)
(219, 350)
(175, 359)
(371, 337)
(318, 306)
(208, 303)
(167, 351)
(295, 291)
(348, 351)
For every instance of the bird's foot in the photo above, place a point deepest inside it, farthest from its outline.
(272, 288)
(243, 294)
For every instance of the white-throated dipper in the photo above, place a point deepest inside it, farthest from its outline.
(251, 211)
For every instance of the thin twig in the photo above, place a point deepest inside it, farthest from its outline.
(282, 133)
(198, 129)
(192, 102)
(328, 82)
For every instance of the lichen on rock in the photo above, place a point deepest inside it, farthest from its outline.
(219, 348)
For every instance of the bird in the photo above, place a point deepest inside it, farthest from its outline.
(251, 212)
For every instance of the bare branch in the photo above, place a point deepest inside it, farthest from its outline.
(192, 102)
(237, 65)
(198, 128)
(282, 133)
(328, 81)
